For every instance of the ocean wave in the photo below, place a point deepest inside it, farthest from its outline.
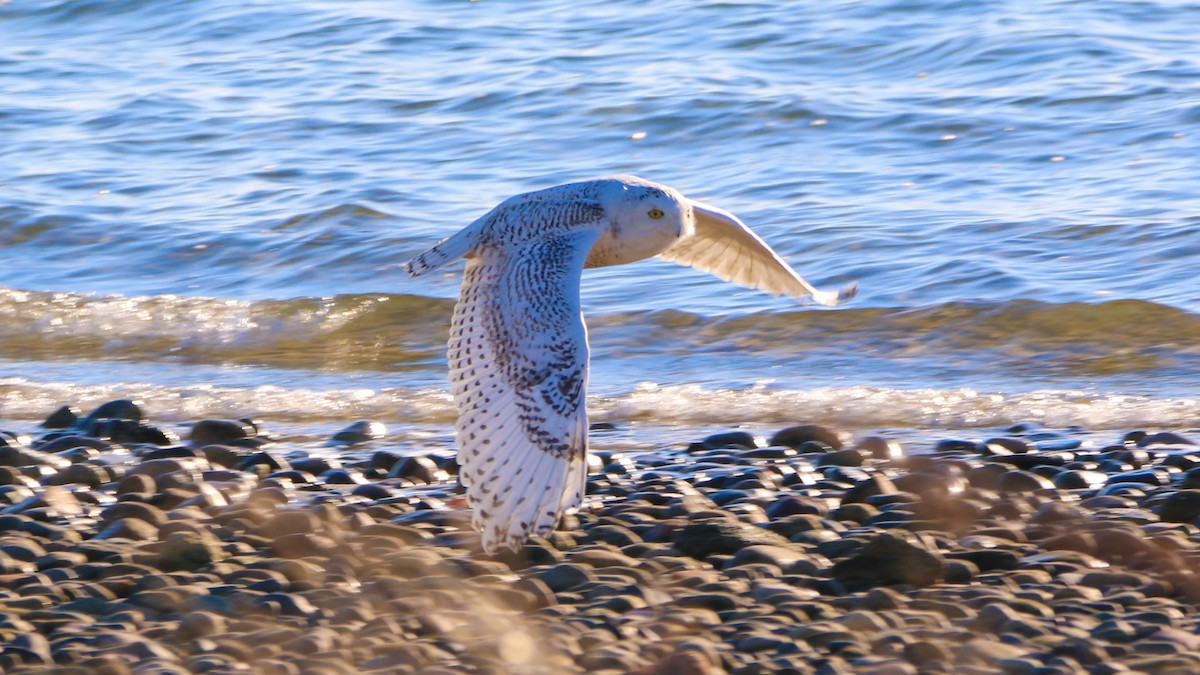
(402, 332)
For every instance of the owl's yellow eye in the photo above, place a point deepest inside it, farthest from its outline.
(655, 213)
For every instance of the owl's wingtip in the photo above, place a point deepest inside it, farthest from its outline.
(834, 298)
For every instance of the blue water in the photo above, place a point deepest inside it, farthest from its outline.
(210, 193)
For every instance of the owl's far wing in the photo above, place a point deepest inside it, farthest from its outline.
(723, 245)
(518, 371)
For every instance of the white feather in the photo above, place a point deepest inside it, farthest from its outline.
(722, 245)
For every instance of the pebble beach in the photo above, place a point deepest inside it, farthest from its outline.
(127, 548)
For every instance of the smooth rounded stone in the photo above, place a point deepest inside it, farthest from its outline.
(134, 529)
(70, 442)
(169, 452)
(1033, 460)
(1058, 513)
(11, 476)
(707, 537)
(140, 510)
(1079, 480)
(565, 576)
(783, 557)
(959, 446)
(130, 432)
(879, 447)
(989, 560)
(55, 499)
(136, 484)
(227, 456)
(1116, 631)
(12, 566)
(960, 571)
(613, 534)
(797, 436)
(921, 652)
(189, 551)
(790, 505)
(877, 484)
(888, 560)
(19, 456)
(855, 513)
(1143, 477)
(418, 469)
(287, 604)
(1181, 507)
(1108, 579)
(739, 440)
(79, 454)
(1022, 481)
(264, 458)
(602, 558)
(24, 549)
(219, 432)
(119, 409)
(345, 476)
(843, 457)
(290, 521)
(361, 431)
(303, 545)
(1164, 438)
(79, 474)
(315, 465)
(1071, 541)
(1191, 479)
(63, 418)
(926, 484)
(1007, 445)
(372, 491)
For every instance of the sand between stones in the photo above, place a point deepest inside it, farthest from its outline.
(125, 550)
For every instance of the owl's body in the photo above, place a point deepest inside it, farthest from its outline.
(518, 347)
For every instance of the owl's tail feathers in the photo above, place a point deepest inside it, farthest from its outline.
(445, 252)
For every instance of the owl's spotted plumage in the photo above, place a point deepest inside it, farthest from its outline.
(518, 347)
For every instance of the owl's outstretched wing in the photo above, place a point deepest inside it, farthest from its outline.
(724, 246)
(518, 371)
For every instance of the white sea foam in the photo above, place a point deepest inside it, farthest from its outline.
(855, 407)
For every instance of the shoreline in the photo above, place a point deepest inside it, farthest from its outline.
(127, 549)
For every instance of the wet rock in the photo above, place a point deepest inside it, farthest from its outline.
(702, 539)
(219, 432)
(730, 439)
(879, 447)
(418, 469)
(128, 528)
(189, 551)
(959, 446)
(1180, 507)
(1023, 481)
(887, 560)
(120, 409)
(876, 484)
(361, 431)
(796, 436)
(130, 432)
(264, 458)
(63, 418)
(844, 457)
(57, 499)
(82, 474)
(566, 576)
(1164, 438)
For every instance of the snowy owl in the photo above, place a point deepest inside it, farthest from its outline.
(518, 346)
